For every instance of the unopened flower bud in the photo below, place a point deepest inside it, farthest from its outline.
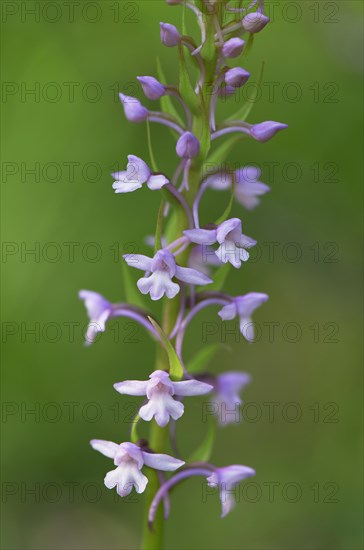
(233, 47)
(170, 36)
(255, 22)
(133, 109)
(188, 146)
(236, 77)
(152, 88)
(266, 130)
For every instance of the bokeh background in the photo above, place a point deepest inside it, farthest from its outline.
(61, 141)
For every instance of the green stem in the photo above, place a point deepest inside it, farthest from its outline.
(154, 540)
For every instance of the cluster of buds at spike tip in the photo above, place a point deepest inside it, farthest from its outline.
(185, 263)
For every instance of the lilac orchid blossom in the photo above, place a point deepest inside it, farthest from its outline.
(244, 307)
(227, 388)
(247, 187)
(129, 460)
(160, 390)
(101, 310)
(135, 175)
(163, 269)
(187, 256)
(233, 245)
(226, 479)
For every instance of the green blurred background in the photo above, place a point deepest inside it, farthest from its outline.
(312, 49)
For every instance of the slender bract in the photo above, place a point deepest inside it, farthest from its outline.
(191, 257)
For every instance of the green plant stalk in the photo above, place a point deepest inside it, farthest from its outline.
(158, 438)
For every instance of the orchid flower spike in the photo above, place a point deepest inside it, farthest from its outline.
(129, 460)
(163, 269)
(133, 109)
(244, 307)
(160, 391)
(135, 175)
(226, 479)
(233, 244)
(227, 387)
(247, 185)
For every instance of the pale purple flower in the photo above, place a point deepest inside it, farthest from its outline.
(247, 185)
(170, 36)
(152, 88)
(133, 109)
(129, 460)
(163, 269)
(236, 77)
(135, 175)
(255, 21)
(226, 479)
(233, 47)
(227, 387)
(233, 244)
(244, 307)
(188, 146)
(160, 391)
(266, 130)
(99, 311)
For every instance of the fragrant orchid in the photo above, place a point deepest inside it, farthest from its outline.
(188, 254)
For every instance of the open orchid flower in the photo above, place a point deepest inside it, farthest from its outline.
(244, 307)
(163, 269)
(228, 235)
(226, 479)
(227, 387)
(135, 175)
(160, 391)
(129, 460)
(247, 187)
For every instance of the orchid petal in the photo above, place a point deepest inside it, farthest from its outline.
(162, 462)
(157, 181)
(192, 276)
(139, 261)
(107, 448)
(191, 387)
(138, 170)
(201, 236)
(131, 387)
(228, 312)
